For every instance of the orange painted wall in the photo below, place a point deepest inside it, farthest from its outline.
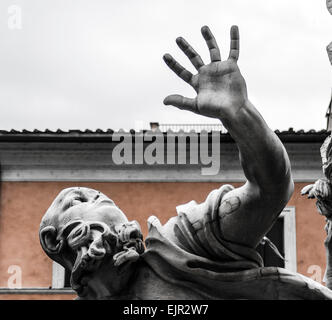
(24, 203)
(37, 296)
(310, 234)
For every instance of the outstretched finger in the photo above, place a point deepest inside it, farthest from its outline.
(183, 73)
(235, 44)
(211, 43)
(188, 50)
(312, 194)
(307, 189)
(181, 102)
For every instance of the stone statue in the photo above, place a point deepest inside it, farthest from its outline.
(321, 190)
(329, 51)
(329, 47)
(207, 251)
(329, 5)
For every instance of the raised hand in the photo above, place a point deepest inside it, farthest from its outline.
(321, 191)
(220, 87)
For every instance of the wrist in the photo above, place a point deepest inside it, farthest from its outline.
(237, 112)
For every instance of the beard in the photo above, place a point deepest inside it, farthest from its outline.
(94, 243)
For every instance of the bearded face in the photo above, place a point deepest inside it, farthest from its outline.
(84, 231)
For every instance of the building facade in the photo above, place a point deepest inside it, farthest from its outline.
(145, 173)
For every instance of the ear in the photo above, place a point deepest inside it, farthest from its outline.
(48, 240)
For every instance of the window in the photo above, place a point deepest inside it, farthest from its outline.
(283, 236)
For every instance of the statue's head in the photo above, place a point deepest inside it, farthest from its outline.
(85, 232)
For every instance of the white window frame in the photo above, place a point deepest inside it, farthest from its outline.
(58, 276)
(289, 217)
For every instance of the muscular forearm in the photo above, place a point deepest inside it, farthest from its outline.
(263, 157)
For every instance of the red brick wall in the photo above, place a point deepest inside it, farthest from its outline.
(24, 203)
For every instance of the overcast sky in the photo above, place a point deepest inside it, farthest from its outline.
(78, 64)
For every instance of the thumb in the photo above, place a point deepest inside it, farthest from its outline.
(181, 102)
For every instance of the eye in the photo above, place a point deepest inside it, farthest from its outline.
(75, 202)
(78, 200)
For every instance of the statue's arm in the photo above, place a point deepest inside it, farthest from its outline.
(269, 184)
(248, 212)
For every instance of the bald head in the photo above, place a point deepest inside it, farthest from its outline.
(82, 203)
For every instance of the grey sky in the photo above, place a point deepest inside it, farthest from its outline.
(78, 64)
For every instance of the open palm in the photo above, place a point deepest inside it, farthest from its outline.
(219, 85)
